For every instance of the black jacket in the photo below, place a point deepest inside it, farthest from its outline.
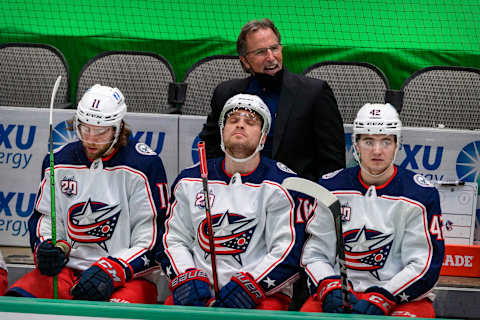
(308, 137)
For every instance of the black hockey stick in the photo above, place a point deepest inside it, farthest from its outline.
(52, 179)
(328, 199)
(211, 240)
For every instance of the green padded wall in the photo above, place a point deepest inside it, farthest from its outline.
(398, 36)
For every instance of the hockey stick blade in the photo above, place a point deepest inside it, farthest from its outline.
(54, 94)
(315, 191)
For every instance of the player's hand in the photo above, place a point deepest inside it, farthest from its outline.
(191, 288)
(329, 294)
(99, 281)
(377, 301)
(50, 259)
(241, 292)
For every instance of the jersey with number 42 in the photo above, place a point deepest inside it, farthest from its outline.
(392, 234)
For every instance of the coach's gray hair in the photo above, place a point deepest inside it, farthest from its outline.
(252, 26)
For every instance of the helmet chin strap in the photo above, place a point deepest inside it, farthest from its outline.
(243, 160)
(117, 135)
(106, 153)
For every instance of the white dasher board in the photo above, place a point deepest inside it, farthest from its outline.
(458, 203)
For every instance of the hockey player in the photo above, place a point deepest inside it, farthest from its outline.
(111, 196)
(392, 232)
(257, 256)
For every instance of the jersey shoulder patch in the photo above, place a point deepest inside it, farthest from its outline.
(284, 168)
(144, 149)
(331, 174)
(421, 181)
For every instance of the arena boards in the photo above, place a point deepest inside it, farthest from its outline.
(27, 308)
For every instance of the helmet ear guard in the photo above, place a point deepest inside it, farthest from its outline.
(247, 102)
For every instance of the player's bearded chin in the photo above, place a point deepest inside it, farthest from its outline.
(101, 148)
(239, 150)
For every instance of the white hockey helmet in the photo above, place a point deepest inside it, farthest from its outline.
(101, 106)
(250, 103)
(376, 118)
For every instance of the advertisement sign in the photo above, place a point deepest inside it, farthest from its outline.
(461, 260)
(438, 154)
(189, 127)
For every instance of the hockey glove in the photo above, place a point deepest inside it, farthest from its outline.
(377, 301)
(98, 282)
(191, 288)
(329, 294)
(241, 292)
(50, 259)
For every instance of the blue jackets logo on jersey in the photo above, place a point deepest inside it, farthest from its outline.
(144, 149)
(366, 250)
(92, 222)
(231, 232)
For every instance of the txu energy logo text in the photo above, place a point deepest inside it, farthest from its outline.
(431, 159)
(15, 140)
(13, 221)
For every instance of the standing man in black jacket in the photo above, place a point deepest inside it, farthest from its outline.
(307, 130)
